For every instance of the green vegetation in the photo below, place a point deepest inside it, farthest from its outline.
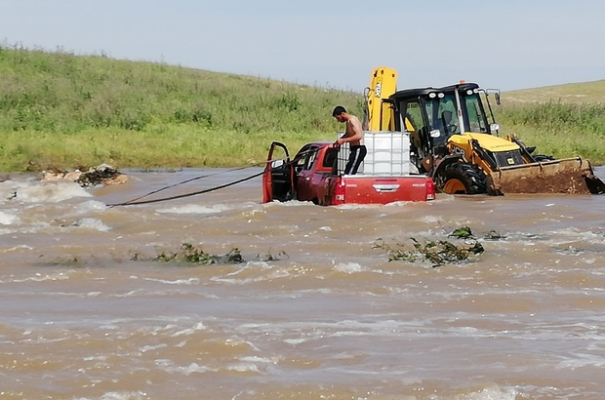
(563, 121)
(561, 129)
(191, 254)
(436, 252)
(576, 93)
(61, 110)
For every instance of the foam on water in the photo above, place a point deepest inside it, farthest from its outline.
(38, 277)
(358, 206)
(195, 209)
(8, 219)
(14, 248)
(396, 204)
(350, 268)
(145, 349)
(119, 396)
(491, 392)
(581, 360)
(198, 327)
(48, 192)
(243, 367)
(87, 206)
(291, 203)
(92, 223)
(190, 281)
(192, 368)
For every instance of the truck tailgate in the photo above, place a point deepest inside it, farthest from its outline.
(382, 190)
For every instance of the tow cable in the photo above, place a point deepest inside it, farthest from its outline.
(135, 201)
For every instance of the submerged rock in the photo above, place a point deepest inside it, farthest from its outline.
(101, 175)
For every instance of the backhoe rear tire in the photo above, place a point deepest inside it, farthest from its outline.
(461, 178)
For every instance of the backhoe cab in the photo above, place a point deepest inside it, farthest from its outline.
(454, 140)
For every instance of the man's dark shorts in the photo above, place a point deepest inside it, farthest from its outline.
(356, 156)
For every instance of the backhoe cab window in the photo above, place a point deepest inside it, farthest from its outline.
(476, 118)
(413, 117)
(414, 121)
(443, 115)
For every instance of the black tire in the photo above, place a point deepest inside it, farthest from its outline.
(542, 158)
(461, 178)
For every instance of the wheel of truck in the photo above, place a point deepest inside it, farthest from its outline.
(462, 178)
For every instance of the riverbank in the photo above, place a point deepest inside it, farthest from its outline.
(159, 146)
(63, 111)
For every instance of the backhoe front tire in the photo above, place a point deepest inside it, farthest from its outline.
(542, 158)
(461, 178)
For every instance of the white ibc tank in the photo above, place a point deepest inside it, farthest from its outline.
(388, 154)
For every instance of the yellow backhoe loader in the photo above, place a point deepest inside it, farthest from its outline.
(454, 139)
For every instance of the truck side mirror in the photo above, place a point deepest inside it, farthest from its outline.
(497, 96)
(435, 133)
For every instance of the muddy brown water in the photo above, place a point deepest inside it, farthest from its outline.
(315, 311)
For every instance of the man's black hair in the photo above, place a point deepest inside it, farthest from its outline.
(338, 110)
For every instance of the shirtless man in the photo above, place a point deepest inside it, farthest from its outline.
(353, 135)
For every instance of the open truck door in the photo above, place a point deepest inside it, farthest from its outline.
(278, 179)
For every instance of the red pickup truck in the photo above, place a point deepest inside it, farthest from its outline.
(315, 174)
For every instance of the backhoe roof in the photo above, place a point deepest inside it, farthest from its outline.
(414, 93)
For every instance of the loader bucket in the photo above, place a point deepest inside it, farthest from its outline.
(569, 175)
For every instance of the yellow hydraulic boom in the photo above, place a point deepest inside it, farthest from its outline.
(378, 113)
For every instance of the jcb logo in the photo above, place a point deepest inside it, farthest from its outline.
(378, 89)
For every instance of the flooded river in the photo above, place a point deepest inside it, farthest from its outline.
(315, 310)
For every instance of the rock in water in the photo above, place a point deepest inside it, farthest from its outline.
(102, 175)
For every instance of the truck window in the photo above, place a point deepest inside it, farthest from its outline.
(301, 159)
(300, 163)
(330, 158)
(305, 159)
(311, 158)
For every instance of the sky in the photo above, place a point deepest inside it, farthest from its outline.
(499, 44)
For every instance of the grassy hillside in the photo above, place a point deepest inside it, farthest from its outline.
(62, 110)
(65, 110)
(575, 93)
(565, 120)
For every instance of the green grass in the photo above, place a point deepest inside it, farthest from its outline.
(564, 120)
(62, 110)
(561, 129)
(576, 93)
